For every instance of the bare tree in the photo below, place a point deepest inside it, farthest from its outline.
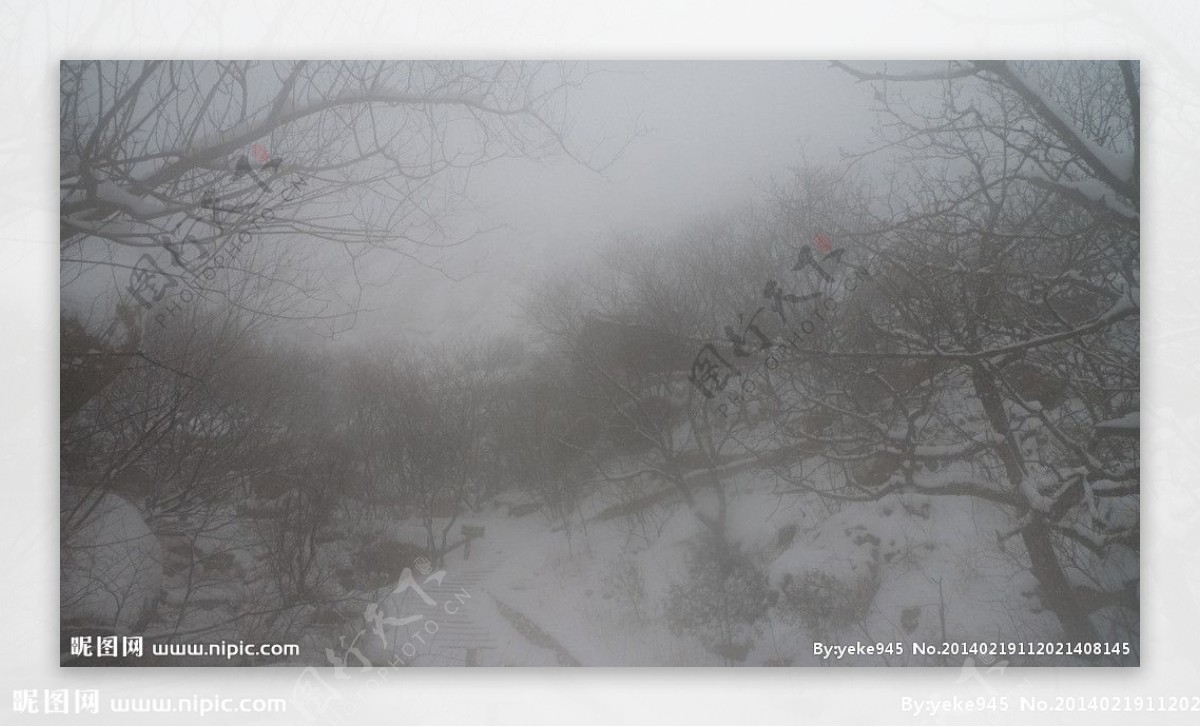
(995, 354)
(171, 169)
(625, 333)
(545, 438)
(202, 203)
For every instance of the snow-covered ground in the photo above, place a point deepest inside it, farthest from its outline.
(922, 570)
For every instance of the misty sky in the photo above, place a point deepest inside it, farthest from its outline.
(717, 132)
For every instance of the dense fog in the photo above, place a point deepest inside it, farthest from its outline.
(436, 363)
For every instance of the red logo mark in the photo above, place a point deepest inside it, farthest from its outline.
(259, 152)
(823, 243)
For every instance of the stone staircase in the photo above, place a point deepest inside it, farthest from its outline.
(448, 633)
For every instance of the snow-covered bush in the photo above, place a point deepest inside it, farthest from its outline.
(111, 564)
(823, 601)
(624, 580)
(828, 586)
(725, 596)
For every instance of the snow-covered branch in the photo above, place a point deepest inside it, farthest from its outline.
(1113, 168)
